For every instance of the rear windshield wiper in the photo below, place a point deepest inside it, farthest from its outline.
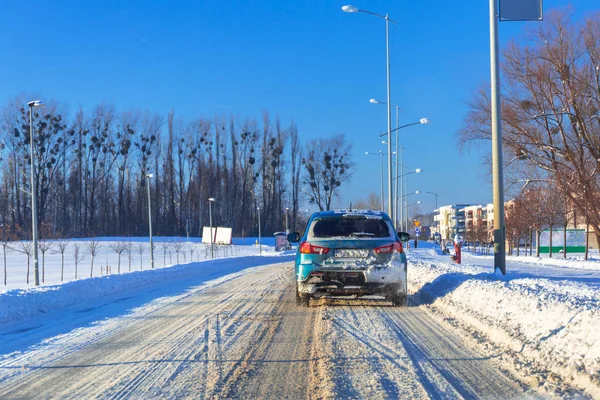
(362, 234)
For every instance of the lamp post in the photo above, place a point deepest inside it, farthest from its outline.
(381, 154)
(149, 176)
(436, 196)
(259, 238)
(422, 121)
(353, 9)
(34, 222)
(375, 101)
(212, 241)
(286, 220)
(405, 197)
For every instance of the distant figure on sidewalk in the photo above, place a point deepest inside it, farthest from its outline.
(458, 240)
(444, 247)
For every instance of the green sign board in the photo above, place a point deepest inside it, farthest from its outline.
(575, 241)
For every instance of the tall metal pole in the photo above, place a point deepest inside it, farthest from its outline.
(212, 242)
(150, 222)
(401, 190)
(389, 118)
(34, 227)
(381, 157)
(259, 238)
(497, 174)
(286, 220)
(405, 203)
(397, 176)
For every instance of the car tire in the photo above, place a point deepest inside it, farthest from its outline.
(399, 300)
(301, 300)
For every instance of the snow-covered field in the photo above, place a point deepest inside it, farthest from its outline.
(134, 256)
(542, 318)
(543, 315)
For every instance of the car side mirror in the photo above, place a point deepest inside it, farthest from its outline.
(293, 237)
(404, 237)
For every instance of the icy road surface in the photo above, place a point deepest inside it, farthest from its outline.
(244, 337)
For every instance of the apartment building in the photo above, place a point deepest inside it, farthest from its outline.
(450, 220)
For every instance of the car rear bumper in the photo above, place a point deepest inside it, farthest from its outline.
(383, 280)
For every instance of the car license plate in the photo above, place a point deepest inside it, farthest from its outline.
(351, 253)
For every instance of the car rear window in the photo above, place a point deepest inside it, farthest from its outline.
(356, 226)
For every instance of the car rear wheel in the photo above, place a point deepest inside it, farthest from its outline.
(301, 300)
(399, 300)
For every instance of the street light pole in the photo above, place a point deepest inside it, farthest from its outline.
(381, 154)
(497, 174)
(387, 19)
(34, 222)
(259, 238)
(399, 182)
(389, 119)
(405, 197)
(212, 241)
(150, 221)
(396, 194)
(436, 196)
(286, 220)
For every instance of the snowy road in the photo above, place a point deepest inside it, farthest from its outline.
(246, 338)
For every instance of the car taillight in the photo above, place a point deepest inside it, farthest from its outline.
(395, 247)
(307, 248)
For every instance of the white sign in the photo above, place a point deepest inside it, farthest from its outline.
(223, 235)
(206, 234)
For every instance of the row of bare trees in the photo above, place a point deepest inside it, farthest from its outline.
(92, 172)
(172, 251)
(550, 119)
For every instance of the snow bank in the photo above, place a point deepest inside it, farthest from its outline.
(17, 304)
(545, 314)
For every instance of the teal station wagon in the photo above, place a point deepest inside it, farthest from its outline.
(350, 252)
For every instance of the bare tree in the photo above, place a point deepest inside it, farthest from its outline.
(119, 247)
(62, 247)
(550, 103)
(4, 242)
(44, 245)
(328, 165)
(192, 251)
(553, 211)
(92, 247)
(78, 255)
(140, 250)
(130, 254)
(178, 247)
(373, 202)
(165, 246)
(25, 247)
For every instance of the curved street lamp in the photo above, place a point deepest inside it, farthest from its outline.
(352, 9)
(422, 121)
(436, 196)
(404, 209)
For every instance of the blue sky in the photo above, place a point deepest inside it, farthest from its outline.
(304, 60)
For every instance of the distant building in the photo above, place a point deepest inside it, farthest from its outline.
(475, 222)
(450, 220)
